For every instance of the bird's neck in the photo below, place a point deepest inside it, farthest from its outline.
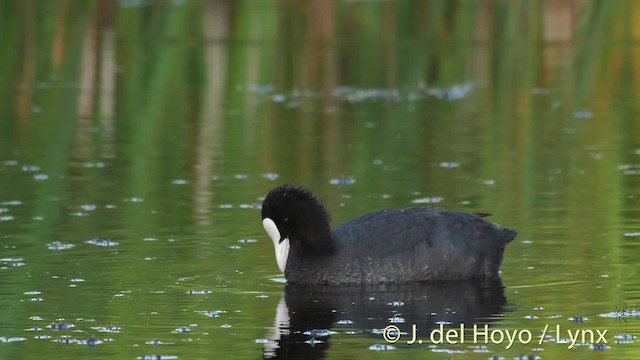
(316, 240)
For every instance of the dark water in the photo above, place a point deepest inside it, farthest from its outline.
(137, 142)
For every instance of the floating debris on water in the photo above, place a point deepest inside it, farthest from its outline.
(342, 181)
(381, 347)
(199, 292)
(596, 155)
(30, 168)
(454, 92)
(40, 177)
(583, 115)
(598, 347)
(13, 261)
(622, 312)
(527, 357)
(212, 313)
(355, 95)
(540, 91)
(78, 213)
(98, 164)
(181, 330)
(11, 339)
(250, 206)
(108, 328)
(578, 319)
(270, 176)
(60, 326)
(179, 182)
(624, 338)
(247, 241)
(278, 98)
(57, 246)
(344, 322)
(428, 200)
(629, 169)
(395, 303)
(630, 234)
(396, 319)
(102, 242)
(65, 340)
(319, 332)
(449, 164)
(35, 292)
(479, 349)
(313, 341)
(443, 322)
(92, 341)
(260, 88)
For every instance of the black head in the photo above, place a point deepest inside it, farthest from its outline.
(298, 216)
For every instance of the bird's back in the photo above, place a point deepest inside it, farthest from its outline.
(420, 244)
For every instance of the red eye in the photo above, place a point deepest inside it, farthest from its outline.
(285, 220)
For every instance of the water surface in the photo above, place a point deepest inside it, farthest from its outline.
(137, 141)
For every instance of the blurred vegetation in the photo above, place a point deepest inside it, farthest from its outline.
(165, 87)
(117, 100)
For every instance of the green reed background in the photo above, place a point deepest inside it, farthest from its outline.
(165, 90)
(167, 84)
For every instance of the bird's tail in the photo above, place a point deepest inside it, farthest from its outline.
(508, 235)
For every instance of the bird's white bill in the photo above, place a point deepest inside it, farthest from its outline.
(281, 247)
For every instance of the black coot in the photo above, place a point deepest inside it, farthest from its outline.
(392, 245)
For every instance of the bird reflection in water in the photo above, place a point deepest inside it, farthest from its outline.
(307, 316)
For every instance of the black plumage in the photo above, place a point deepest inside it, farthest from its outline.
(392, 245)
